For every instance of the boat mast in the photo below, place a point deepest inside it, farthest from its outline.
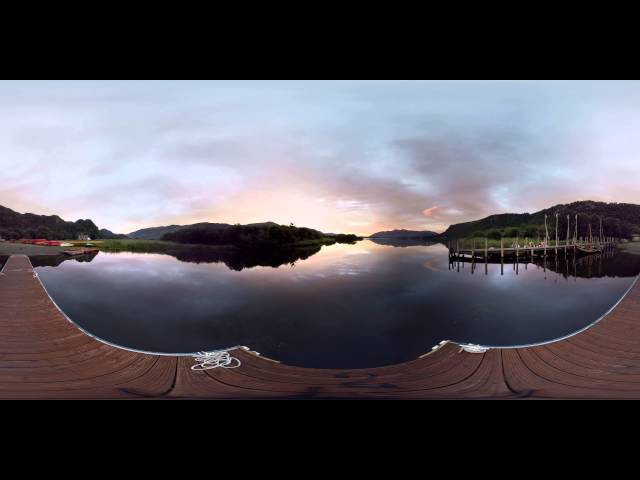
(601, 234)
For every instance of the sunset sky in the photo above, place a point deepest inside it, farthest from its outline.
(343, 156)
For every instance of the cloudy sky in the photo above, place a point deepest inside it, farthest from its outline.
(338, 156)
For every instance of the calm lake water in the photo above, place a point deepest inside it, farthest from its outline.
(346, 306)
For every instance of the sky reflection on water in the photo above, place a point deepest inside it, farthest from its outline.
(346, 306)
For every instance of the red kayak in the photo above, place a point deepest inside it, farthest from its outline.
(41, 241)
(34, 241)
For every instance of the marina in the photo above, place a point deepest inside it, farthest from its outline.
(457, 250)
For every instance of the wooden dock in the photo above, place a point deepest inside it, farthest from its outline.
(43, 355)
(460, 251)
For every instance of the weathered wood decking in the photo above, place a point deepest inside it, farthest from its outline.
(42, 355)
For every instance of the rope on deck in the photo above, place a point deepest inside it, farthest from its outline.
(211, 360)
(470, 348)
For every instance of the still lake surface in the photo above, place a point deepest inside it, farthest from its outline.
(346, 306)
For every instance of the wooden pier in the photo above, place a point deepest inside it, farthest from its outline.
(43, 355)
(461, 250)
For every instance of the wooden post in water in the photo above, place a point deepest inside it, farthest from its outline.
(575, 233)
(601, 236)
(590, 237)
(501, 247)
(556, 234)
(546, 236)
(486, 255)
(566, 245)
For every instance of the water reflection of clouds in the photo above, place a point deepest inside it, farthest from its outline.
(351, 269)
(431, 265)
(371, 309)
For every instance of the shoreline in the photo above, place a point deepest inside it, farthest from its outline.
(8, 248)
(150, 246)
(630, 247)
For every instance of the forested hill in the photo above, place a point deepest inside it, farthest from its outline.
(14, 225)
(265, 235)
(618, 219)
(156, 233)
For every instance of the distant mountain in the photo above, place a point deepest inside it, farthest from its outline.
(14, 225)
(153, 233)
(403, 242)
(618, 219)
(109, 235)
(405, 234)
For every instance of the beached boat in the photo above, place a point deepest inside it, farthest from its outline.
(83, 251)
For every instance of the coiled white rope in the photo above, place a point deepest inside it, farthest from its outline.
(470, 348)
(211, 360)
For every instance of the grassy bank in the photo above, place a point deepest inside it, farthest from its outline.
(134, 246)
(146, 246)
(161, 246)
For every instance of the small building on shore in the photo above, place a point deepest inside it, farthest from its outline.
(84, 237)
(635, 237)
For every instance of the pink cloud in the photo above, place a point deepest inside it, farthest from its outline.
(428, 212)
